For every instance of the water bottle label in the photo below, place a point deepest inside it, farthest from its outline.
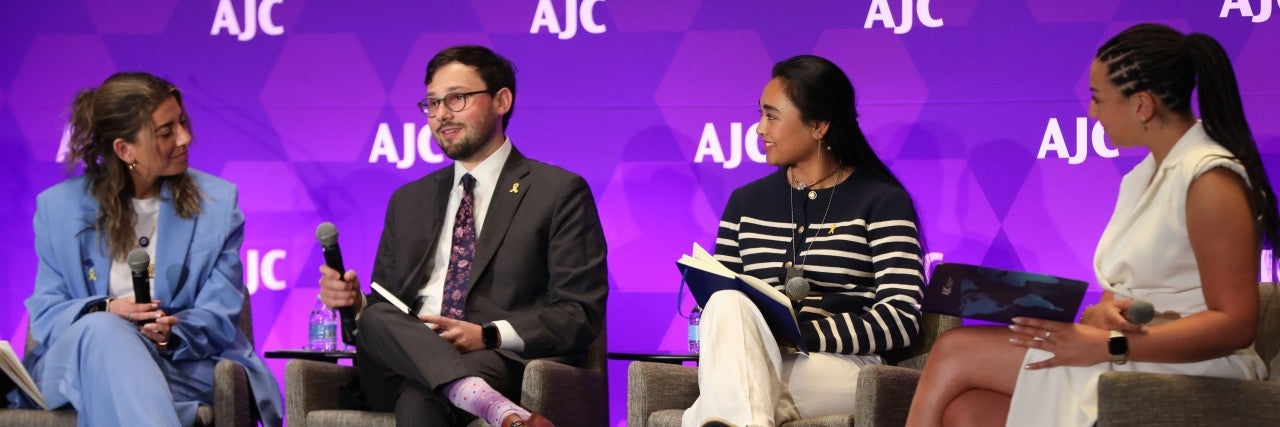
(693, 332)
(322, 331)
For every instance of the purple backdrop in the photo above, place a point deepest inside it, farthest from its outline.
(979, 106)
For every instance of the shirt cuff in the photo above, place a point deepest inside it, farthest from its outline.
(363, 303)
(510, 339)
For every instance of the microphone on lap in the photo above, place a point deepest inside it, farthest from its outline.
(138, 261)
(796, 288)
(327, 235)
(1140, 312)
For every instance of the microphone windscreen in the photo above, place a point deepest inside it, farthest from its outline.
(139, 260)
(1140, 312)
(796, 288)
(327, 234)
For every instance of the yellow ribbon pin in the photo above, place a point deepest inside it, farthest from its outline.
(93, 277)
(832, 230)
(515, 188)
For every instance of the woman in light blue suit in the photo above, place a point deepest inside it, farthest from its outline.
(115, 361)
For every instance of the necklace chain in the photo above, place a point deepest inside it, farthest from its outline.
(801, 186)
(792, 203)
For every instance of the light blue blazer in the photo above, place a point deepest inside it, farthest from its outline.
(198, 276)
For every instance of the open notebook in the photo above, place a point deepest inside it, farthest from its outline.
(996, 295)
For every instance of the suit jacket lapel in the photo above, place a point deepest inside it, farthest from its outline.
(436, 202)
(97, 265)
(502, 209)
(174, 236)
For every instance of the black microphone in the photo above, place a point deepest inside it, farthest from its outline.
(1140, 312)
(327, 235)
(139, 261)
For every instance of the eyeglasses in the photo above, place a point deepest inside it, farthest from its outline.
(455, 102)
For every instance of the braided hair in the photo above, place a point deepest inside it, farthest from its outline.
(1171, 65)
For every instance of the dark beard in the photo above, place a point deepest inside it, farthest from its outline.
(466, 148)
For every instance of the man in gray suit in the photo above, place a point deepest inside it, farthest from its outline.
(501, 257)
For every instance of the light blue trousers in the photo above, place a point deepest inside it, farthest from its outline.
(114, 376)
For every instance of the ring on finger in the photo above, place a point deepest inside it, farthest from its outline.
(1047, 334)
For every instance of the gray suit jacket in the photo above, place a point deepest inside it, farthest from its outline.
(539, 261)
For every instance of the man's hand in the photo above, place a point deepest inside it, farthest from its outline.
(338, 292)
(465, 336)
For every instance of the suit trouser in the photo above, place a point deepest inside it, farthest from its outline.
(745, 378)
(403, 366)
(114, 376)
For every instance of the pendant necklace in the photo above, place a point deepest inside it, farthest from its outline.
(145, 240)
(793, 280)
(813, 195)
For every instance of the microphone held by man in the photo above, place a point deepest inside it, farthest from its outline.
(327, 235)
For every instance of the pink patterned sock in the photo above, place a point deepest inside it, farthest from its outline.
(475, 396)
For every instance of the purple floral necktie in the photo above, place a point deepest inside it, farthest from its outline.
(461, 254)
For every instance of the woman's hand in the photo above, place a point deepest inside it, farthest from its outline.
(160, 331)
(1072, 344)
(1110, 315)
(130, 310)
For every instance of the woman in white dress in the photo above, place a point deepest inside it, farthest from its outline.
(1185, 235)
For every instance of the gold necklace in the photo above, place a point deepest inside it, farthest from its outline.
(802, 186)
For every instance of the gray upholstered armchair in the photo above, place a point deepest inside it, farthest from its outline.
(1132, 398)
(233, 403)
(580, 394)
(657, 393)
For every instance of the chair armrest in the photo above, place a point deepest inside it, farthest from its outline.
(654, 387)
(312, 385)
(1134, 398)
(546, 382)
(232, 401)
(884, 395)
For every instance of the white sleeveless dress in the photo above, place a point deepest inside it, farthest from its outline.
(1144, 253)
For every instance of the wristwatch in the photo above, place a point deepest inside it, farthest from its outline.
(489, 334)
(1118, 346)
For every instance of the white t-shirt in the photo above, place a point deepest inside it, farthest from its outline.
(146, 225)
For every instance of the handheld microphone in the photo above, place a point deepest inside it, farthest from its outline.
(138, 261)
(1140, 312)
(327, 235)
(797, 288)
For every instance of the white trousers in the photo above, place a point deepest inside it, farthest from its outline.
(744, 378)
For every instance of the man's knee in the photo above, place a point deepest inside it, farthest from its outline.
(375, 318)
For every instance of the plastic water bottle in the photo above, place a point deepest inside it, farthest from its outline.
(323, 327)
(695, 319)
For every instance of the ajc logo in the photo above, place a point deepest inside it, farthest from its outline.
(417, 142)
(254, 17)
(262, 270)
(1055, 141)
(880, 12)
(709, 145)
(545, 17)
(1264, 9)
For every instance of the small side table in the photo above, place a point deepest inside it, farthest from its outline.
(672, 358)
(321, 356)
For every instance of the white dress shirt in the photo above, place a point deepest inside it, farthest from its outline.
(486, 174)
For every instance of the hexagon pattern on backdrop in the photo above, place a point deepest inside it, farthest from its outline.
(639, 97)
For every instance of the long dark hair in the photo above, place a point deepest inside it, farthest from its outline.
(822, 92)
(121, 108)
(1170, 65)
